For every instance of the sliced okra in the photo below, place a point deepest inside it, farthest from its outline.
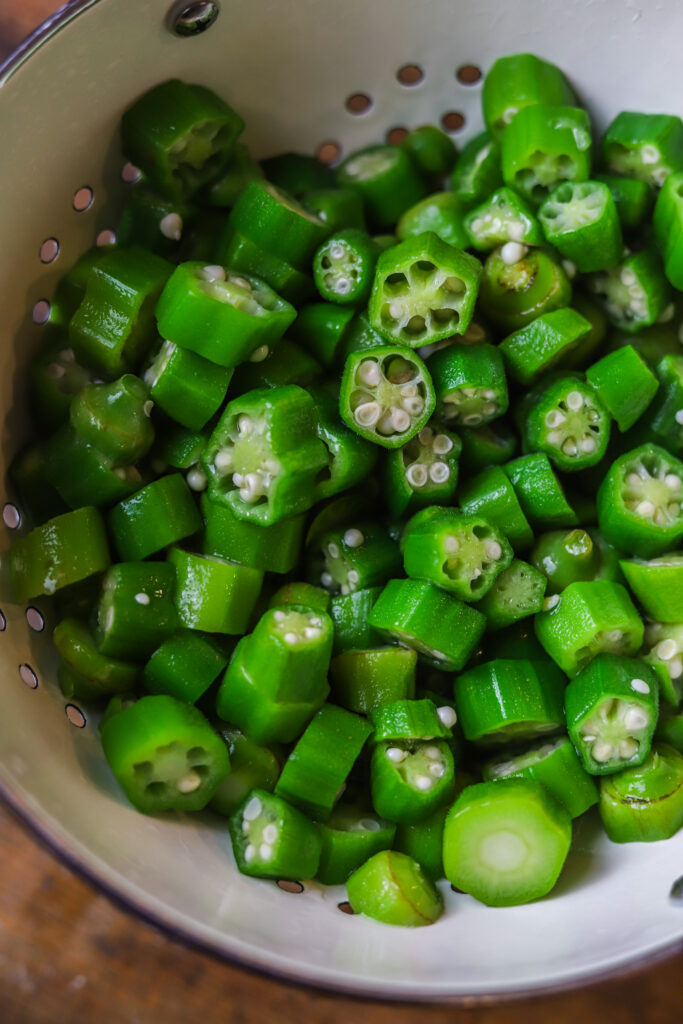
(634, 293)
(424, 471)
(270, 839)
(409, 779)
(354, 557)
(663, 649)
(644, 146)
(569, 423)
(469, 384)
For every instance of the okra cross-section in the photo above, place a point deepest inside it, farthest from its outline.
(544, 145)
(663, 649)
(355, 557)
(264, 455)
(633, 293)
(424, 471)
(556, 766)
(469, 384)
(519, 285)
(569, 423)
(644, 803)
(580, 219)
(270, 839)
(644, 146)
(386, 395)
(424, 290)
(410, 779)
(611, 709)
(462, 554)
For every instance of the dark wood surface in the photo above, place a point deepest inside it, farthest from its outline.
(69, 956)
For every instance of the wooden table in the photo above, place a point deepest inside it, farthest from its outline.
(69, 956)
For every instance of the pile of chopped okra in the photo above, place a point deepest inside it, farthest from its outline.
(359, 492)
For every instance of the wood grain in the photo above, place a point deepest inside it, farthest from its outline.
(69, 956)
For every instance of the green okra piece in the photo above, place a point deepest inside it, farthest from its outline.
(544, 145)
(518, 81)
(555, 765)
(516, 594)
(162, 513)
(662, 648)
(648, 147)
(432, 151)
(574, 556)
(441, 212)
(581, 220)
(274, 548)
(349, 612)
(518, 285)
(644, 803)
(55, 377)
(89, 674)
(135, 612)
(503, 217)
(338, 208)
(410, 779)
(240, 169)
(184, 666)
(469, 384)
(363, 680)
(349, 837)
(423, 472)
(386, 179)
(543, 343)
(186, 386)
(212, 594)
(392, 888)
(491, 495)
(270, 839)
(275, 220)
(252, 766)
(634, 293)
(539, 491)
(568, 421)
(658, 585)
(58, 553)
(153, 221)
(633, 198)
(625, 385)
(477, 172)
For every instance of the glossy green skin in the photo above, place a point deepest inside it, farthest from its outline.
(625, 384)
(505, 701)
(195, 313)
(490, 445)
(444, 632)
(113, 328)
(595, 242)
(645, 803)
(351, 458)
(628, 132)
(539, 491)
(658, 586)
(633, 198)
(162, 513)
(392, 888)
(81, 475)
(55, 376)
(364, 680)
(273, 219)
(370, 553)
(477, 170)
(574, 556)
(591, 342)
(659, 425)
(581, 439)
(386, 179)
(515, 807)
(589, 619)
(63, 551)
(92, 674)
(156, 742)
(555, 765)
(472, 367)
(239, 170)
(184, 666)
(517, 593)
(297, 172)
(396, 795)
(179, 447)
(346, 843)
(503, 217)
(561, 134)
(543, 343)
(336, 207)
(440, 212)
(610, 678)
(626, 528)
(252, 767)
(423, 841)
(408, 720)
(321, 761)
(186, 386)
(647, 274)
(668, 227)
(349, 612)
(142, 217)
(295, 854)
(169, 116)
(491, 496)
(244, 256)
(511, 296)
(286, 363)
(212, 594)
(432, 151)
(304, 594)
(515, 82)
(135, 613)
(358, 337)
(71, 286)
(321, 328)
(275, 548)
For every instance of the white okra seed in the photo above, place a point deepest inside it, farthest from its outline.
(602, 751)
(396, 754)
(245, 425)
(259, 354)
(425, 436)
(513, 252)
(423, 783)
(416, 475)
(265, 851)
(636, 718)
(574, 400)
(640, 686)
(142, 598)
(493, 550)
(367, 414)
(249, 853)
(672, 481)
(213, 273)
(280, 616)
(437, 771)
(447, 716)
(439, 473)
(291, 638)
(667, 649)
(442, 444)
(171, 226)
(628, 747)
(270, 833)
(353, 538)
(224, 460)
(433, 753)
(369, 373)
(645, 509)
(400, 420)
(253, 809)
(679, 416)
(333, 550)
(353, 576)
(189, 783)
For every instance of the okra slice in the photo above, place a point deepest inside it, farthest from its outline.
(520, 284)
(153, 221)
(274, 548)
(506, 701)
(663, 649)
(322, 327)
(611, 709)
(363, 680)
(574, 556)
(633, 293)
(491, 495)
(213, 594)
(353, 558)
(90, 674)
(589, 344)
(349, 613)
(580, 219)
(424, 471)
(540, 345)
(162, 513)
(315, 773)
(645, 803)
(387, 180)
(270, 839)
(555, 765)
(224, 317)
(639, 502)
(263, 456)
(643, 146)
(477, 172)
(424, 290)
(184, 666)
(490, 445)
(386, 395)
(442, 213)
(55, 377)
(297, 172)
(392, 888)
(408, 720)
(344, 267)
(518, 81)
(270, 217)
(252, 766)
(305, 594)
(186, 386)
(82, 475)
(668, 227)
(460, 553)
(349, 837)
(660, 422)
(350, 458)
(587, 619)
(658, 585)
(517, 593)
(469, 384)
(135, 613)
(423, 840)
(539, 491)
(506, 842)
(410, 779)
(503, 217)
(625, 385)
(432, 151)
(338, 208)
(164, 754)
(244, 256)
(543, 145)
(633, 198)
(569, 423)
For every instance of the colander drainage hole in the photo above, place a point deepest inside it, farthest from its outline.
(468, 74)
(83, 199)
(28, 676)
(41, 312)
(11, 516)
(453, 121)
(395, 136)
(3, 622)
(328, 152)
(287, 886)
(410, 74)
(35, 619)
(106, 237)
(346, 908)
(130, 173)
(75, 716)
(49, 250)
(358, 103)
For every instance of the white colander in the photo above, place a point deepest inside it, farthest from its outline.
(289, 67)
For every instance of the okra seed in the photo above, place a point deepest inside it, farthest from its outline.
(489, 394)
(265, 851)
(213, 273)
(672, 481)
(433, 753)
(369, 373)
(189, 783)
(513, 252)
(280, 616)
(353, 538)
(171, 226)
(441, 444)
(675, 668)
(311, 633)
(628, 276)
(400, 420)
(425, 436)
(423, 783)
(326, 579)
(516, 231)
(679, 416)
(291, 638)
(628, 747)
(602, 751)
(142, 598)
(574, 400)
(633, 479)
(396, 310)
(368, 825)
(473, 420)
(408, 391)
(645, 509)
(224, 462)
(336, 251)
(396, 755)
(385, 425)
(649, 154)
(416, 475)
(259, 354)
(439, 472)
(55, 371)
(615, 635)
(477, 225)
(345, 589)
(413, 405)
(367, 414)
(67, 355)
(569, 447)
(333, 550)
(353, 576)
(437, 771)
(447, 716)
(469, 392)
(636, 718)
(237, 479)
(551, 602)
(196, 479)
(640, 686)
(451, 543)
(315, 621)
(493, 550)
(120, 473)
(245, 425)
(270, 833)
(490, 409)
(249, 853)
(241, 282)
(569, 268)
(253, 809)
(587, 445)
(667, 649)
